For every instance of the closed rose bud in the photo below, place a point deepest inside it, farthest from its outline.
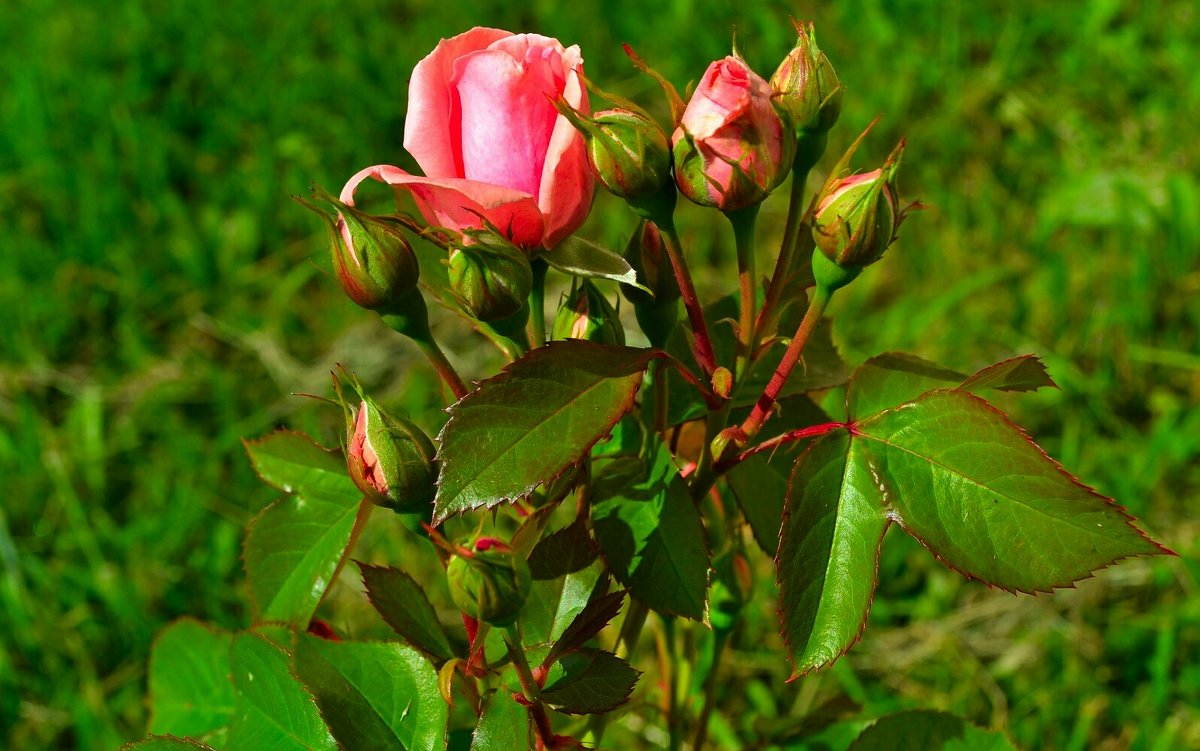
(490, 277)
(628, 152)
(587, 314)
(856, 220)
(732, 147)
(647, 255)
(489, 582)
(374, 263)
(806, 86)
(390, 460)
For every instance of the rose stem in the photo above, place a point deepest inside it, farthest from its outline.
(537, 302)
(762, 408)
(411, 318)
(809, 148)
(743, 222)
(687, 290)
(512, 640)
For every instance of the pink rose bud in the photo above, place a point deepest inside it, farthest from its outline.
(732, 147)
(806, 86)
(856, 219)
(587, 314)
(390, 460)
(482, 125)
(374, 263)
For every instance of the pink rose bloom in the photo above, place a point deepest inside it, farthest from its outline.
(731, 121)
(482, 126)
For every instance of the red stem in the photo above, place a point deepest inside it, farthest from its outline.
(702, 344)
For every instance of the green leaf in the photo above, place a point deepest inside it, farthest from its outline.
(650, 533)
(820, 368)
(579, 257)
(293, 547)
(533, 421)
(274, 712)
(503, 726)
(190, 692)
(987, 501)
(591, 682)
(404, 606)
(165, 743)
(828, 551)
(926, 730)
(562, 552)
(374, 695)
(554, 603)
(294, 463)
(891, 379)
(590, 621)
(1024, 373)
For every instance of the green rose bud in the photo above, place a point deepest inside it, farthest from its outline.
(587, 314)
(490, 582)
(490, 277)
(390, 460)
(806, 86)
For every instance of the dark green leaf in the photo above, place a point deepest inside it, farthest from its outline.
(926, 730)
(294, 463)
(190, 692)
(590, 621)
(165, 743)
(579, 257)
(404, 606)
(274, 712)
(562, 552)
(891, 379)
(533, 421)
(374, 695)
(292, 550)
(833, 524)
(650, 533)
(591, 682)
(1024, 373)
(503, 726)
(986, 500)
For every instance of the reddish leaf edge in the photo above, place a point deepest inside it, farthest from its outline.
(797, 671)
(631, 402)
(247, 443)
(637, 676)
(362, 570)
(1126, 517)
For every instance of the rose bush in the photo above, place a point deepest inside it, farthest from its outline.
(729, 149)
(482, 125)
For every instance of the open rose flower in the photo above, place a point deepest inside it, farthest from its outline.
(482, 125)
(731, 148)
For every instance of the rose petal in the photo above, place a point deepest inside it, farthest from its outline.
(567, 182)
(431, 130)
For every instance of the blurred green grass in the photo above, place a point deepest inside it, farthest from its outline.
(163, 298)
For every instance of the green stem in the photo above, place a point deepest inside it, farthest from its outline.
(668, 663)
(444, 369)
(533, 693)
(809, 149)
(762, 408)
(537, 302)
(743, 221)
(720, 639)
(410, 317)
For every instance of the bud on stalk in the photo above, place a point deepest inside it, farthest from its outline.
(627, 150)
(806, 86)
(490, 276)
(587, 314)
(489, 581)
(390, 460)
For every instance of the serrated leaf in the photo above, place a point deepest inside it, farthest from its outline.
(562, 552)
(926, 730)
(553, 604)
(891, 379)
(822, 367)
(274, 712)
(374, 695)
(503, 726)
(651, 535)
(591, 682)
(292, 550)
(294, 463)
(403, 605)
(986, 500)
(1024, 373)
(190, 692)
(541, 415)
(590, 622)
(166, 743)
(833, 525)
(579, 257)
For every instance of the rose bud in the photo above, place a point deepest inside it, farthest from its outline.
(732, 146)
(587, 314)
(648, 257)
(490, 277)
(628, 152)
(855, 221)
(374, 263)
(390, 460)
(489, 582)
(806, 86)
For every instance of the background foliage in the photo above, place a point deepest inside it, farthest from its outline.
(163, 298)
